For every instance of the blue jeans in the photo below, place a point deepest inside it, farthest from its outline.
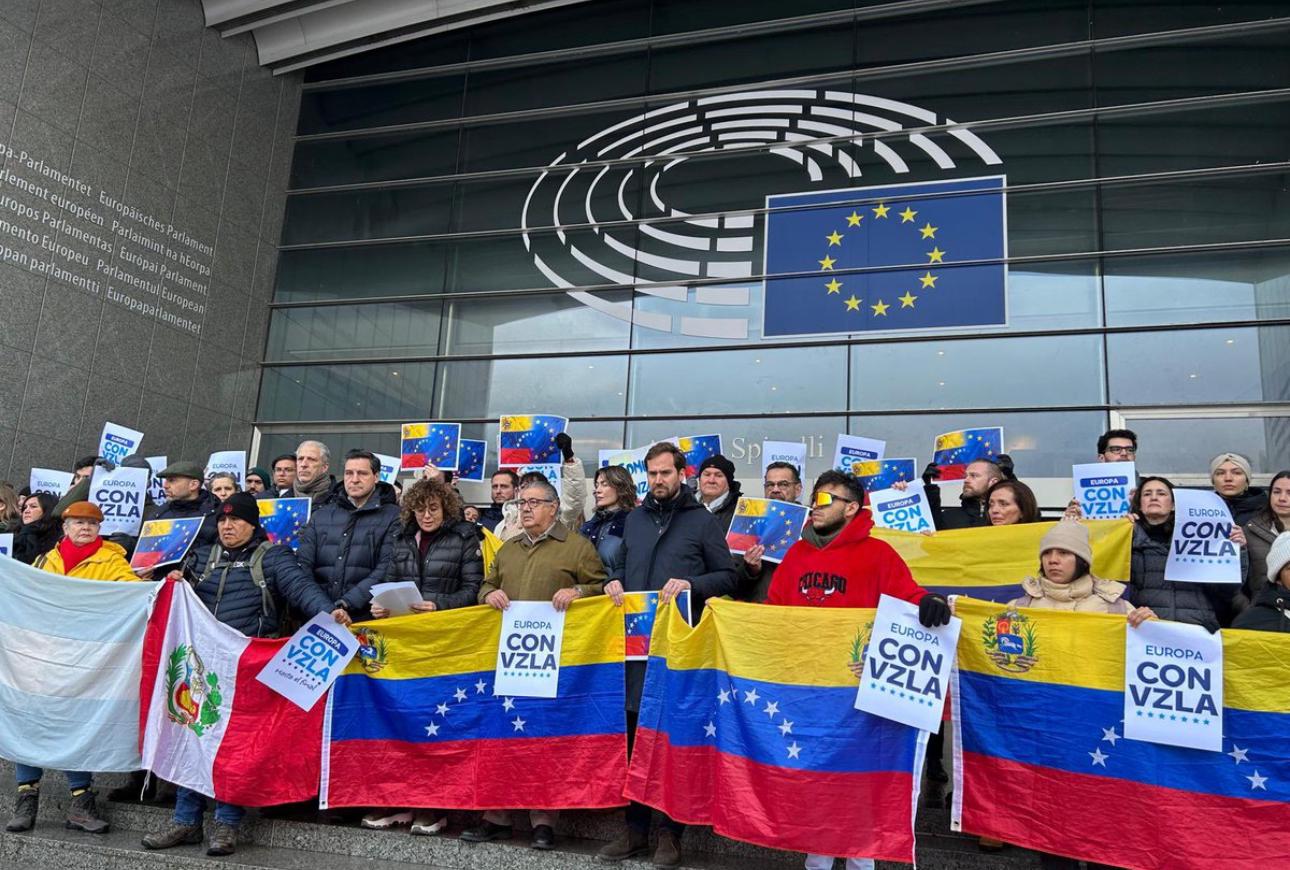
(189, 806)
(76, 779)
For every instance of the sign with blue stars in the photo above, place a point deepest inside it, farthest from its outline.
(906, 666)
(896, 257)
(1201, 549)
(1173, 685)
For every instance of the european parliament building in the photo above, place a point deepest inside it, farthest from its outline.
(573, 211)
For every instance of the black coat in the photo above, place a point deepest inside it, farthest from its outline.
(970, 514)
(1246, 506)
(605, 531)
(677, 538)
(348, 550)
(490, 516)
(241, 603)
(35, 539)
(1206, 604)
(1269, 612)
(202, 506)
(452, 569)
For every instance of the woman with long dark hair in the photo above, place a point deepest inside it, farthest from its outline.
(40, 531)
(615, 498)
(1271, 520)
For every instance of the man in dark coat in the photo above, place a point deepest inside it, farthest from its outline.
(978, 477)
(348, 544)
(245, 581)
(672, 544)
(187, 498)
(504, 486)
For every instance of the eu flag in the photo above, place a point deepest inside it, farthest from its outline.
(886, 472)
(910, 235)
(283, 519)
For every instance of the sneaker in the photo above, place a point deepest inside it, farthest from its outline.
(427, 823)
(543, 838)
(629, 844)
(379, 820)
(24, 809)
(668, 851)
(83, 814)
(174, 834)
(223, 839)
(485, 831)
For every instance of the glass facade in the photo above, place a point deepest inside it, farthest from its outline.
(565, 212)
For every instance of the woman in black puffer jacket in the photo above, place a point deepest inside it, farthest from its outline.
(40, 530)
(615, 498)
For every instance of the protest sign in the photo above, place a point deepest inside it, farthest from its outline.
(1103, 488)
(907, 666)
(306, 666)
(1173, 685)
(228, 462)
(775, 525)
(6, 544)
(120, 495)
(792, 452)
(397, 597)
(527, 439)
(436, 444)
(164, 542)
(470, 459)
(528, 652)
(549, 470)
(954, 451)
(1201, 550)
(907, 510)
(390, 467)
(639, 612)
(634, 462)
(696, 449)
(117, 442)
(156, 486)
(283, 519)
(50, 480)
(881, 474)
(851, 450)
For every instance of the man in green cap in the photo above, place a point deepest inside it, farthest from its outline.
(186, 497)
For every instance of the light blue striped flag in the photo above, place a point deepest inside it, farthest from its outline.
(70, 656)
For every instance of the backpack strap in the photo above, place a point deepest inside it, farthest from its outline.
(256, 565)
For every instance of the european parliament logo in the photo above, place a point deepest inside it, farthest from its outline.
(896, 257)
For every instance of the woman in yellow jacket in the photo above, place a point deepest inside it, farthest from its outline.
(82, 553)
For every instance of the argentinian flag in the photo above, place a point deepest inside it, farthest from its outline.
(70, 655)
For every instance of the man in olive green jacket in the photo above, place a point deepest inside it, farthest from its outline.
(545, 562)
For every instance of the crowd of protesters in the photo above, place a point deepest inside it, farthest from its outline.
(534, 542)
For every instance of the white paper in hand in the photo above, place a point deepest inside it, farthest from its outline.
(907, 666)
(397, 598)
(307, 665)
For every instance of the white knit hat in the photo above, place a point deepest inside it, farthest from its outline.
(1278, 556)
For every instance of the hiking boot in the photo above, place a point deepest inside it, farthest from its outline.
(24, 809)
(135, 790)
(629, 844)
(668, 851)
(223, 839)
(174, 834)
(485, 831)
(83, 814)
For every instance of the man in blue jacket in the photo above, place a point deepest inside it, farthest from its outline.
(672, 544)
(348, 544)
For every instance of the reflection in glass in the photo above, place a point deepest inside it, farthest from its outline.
(568, 386)
(395, 329)
(376, 391)
(739, 381)
(1203, 366)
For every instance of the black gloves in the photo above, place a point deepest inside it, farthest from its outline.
(565, 443)
(934, 610)
(930, 473)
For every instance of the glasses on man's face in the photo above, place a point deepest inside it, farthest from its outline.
(824, 499)
(779, 484)
(1121, 450)
(532, 503)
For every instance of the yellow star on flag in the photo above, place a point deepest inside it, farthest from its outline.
(929, 231)
(935, 255)
(835, 238)
(929, 280)
(834, 285)
(853, 304)
(907, 216)
(880, 309)
(881, 210)
(907, 301)
(853, 219)
(827, 263)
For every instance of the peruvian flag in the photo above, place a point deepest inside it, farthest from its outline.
(207, 723)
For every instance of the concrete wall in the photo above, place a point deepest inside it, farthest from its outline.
(145, 161)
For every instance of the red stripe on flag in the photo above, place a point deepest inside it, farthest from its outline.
(741, 540)
(637, 645)
(514, 456)
(154, 637)
(1165, 827)
(952, 472)
(271, 751)
(853, 815)
(580, 771)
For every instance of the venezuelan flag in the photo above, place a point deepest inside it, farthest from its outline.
(283, 519)
(1042, 761)
(747, 724)
(990, 563)
(696, 449)
(747, 524)
(528, 439)
(413, 721)
(954, 451)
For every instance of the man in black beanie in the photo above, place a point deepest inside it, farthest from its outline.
(718, 491)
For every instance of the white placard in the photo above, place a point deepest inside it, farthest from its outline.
(528, 652)
(907, 511)
(117, 442)
(231, 461)
(1173, 685)
(549, 470)
(1201, 550)
(1103, 488)
(156, 487)
(307, 665)
(792, 452)
(854, 449)
(6, 544)
(907, 666)
(390, 467)
(634, 462)
(398, 597)
(120, 495)
(49, 480)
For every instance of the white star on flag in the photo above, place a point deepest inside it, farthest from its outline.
(794, 750)
(710, 730)
(723, 697)
(1238, 753)
(441, 709)
(460, 694)
(751, 696)
(1109, 735)
(480, 687)
(772, 708)
(785, 728)
(432, 730)
(508, 705)
(518, 723)
(1257, 781)
(1098, 757)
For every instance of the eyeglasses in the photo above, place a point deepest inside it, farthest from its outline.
(1118, 450)
(532, 503)
(824, 499)
(778, 484)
